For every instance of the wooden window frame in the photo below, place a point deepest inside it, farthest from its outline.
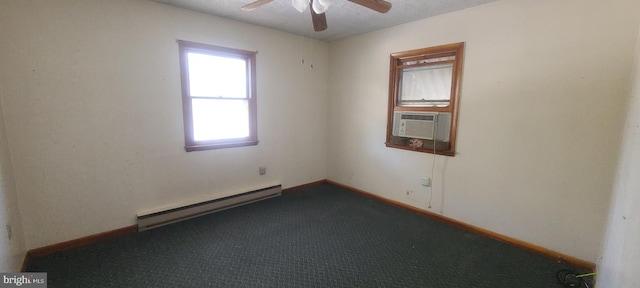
(396, 64)
(250, 58)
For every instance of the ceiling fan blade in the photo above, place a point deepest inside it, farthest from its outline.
(319, 20)
(256, 4)
(378, 5)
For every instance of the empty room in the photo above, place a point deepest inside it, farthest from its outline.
(341, 143)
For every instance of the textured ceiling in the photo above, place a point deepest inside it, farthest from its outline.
(345, 18)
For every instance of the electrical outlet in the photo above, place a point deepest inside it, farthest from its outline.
(263, 170)
(9, 232)
(425, 181)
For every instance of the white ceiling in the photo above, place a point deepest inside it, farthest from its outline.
(345, 18)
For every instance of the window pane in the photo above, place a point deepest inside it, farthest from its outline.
(216, 76)
(426, 86)
(217, 119)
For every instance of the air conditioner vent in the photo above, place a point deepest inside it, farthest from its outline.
(418, 117)
(419, 125)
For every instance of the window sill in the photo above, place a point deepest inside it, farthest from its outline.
(203, 147)
(423, 150)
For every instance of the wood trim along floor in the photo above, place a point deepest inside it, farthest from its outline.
(295, 188)
(513, 241)
(24, 262)
(75, 243)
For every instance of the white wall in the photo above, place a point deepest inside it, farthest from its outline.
(11, 250)
(619, 266)
(93, 112)
(543, 97)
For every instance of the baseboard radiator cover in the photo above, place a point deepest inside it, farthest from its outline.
(160, 218)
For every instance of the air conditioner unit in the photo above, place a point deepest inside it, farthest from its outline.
(414, 124)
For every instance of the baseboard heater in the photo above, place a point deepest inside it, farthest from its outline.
(157, 219)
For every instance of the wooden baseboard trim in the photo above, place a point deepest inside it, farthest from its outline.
(500, 237)
(513, 241)
(113, 233)
(303, 186)
(75, 243)
(24, 262)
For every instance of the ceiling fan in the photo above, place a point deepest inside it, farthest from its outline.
(318, 7)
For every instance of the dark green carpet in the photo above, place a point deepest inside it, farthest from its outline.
(322, 236)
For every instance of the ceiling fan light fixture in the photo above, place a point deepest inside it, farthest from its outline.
(300, 5)
(320, 6)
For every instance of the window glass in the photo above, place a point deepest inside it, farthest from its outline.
(215, 119)
(216, 76)
(425, 86)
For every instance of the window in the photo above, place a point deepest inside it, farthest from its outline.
(218, 96)
(424, 86)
